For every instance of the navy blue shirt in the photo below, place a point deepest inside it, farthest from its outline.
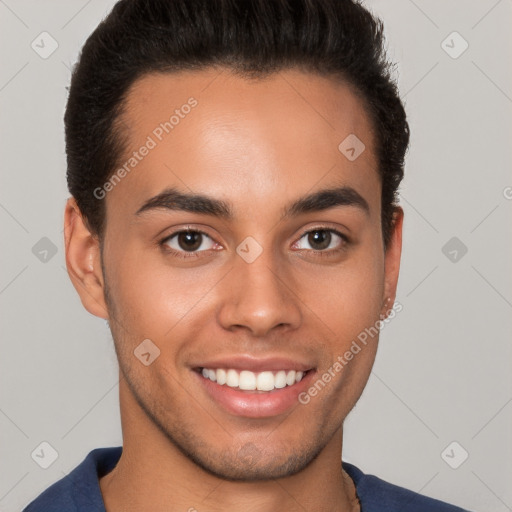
(80, 490)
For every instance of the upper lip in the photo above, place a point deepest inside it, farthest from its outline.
(255, 364)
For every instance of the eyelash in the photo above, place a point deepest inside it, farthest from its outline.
(318, 253)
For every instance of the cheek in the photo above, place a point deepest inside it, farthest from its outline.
(347, 298)
(350, 308)
(152, 297)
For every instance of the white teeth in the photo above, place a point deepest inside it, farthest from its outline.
(265, 381)
(221, 376)
(290, 377)
(247, 380)
(232, 378)
(280, 379)
(250, 381)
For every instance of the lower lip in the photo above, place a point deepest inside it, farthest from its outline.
(255, 404)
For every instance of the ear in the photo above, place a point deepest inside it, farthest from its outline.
(392, 261)
(83, 260)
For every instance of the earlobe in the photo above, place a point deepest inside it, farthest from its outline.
(83, 261)
(392, 261)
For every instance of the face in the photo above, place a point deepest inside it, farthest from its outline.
(247, 248)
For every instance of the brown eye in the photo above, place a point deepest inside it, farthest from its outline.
(189, 241)
(321, 239)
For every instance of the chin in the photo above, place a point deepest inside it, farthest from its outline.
(248, 465)
(248, 461)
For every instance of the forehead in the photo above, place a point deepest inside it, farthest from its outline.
(213, 132)
(267, 102)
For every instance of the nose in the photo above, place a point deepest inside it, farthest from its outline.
(259, 297)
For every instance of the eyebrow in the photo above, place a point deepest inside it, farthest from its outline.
(173, 199)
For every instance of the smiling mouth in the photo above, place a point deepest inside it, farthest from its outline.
(245, 380)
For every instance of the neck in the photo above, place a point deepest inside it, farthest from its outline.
(153, 474)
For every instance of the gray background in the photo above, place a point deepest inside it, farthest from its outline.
(443, 371)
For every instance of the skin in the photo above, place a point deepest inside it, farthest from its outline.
(257, 145)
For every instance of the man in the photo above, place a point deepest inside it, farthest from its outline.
(234, 168)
